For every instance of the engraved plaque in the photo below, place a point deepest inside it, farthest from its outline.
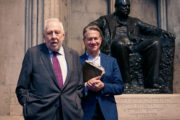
(148, 106)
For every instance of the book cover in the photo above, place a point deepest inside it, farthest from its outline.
(91, 69)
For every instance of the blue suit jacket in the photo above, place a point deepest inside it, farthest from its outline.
(113, 85)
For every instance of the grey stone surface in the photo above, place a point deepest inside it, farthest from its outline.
(11, 54)
(144, 10)
(174, 26)
(5, 100)
(11, 118)
(82, 12)
(148, 106)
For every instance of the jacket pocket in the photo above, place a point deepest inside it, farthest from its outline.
(25, 109)
(32, 105)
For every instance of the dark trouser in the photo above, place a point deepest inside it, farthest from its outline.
(98, 114)
(150, 50)
(59, 114)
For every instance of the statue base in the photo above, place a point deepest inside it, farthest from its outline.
(139, 89)
(148, 106)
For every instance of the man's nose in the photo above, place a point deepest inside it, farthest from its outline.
(93, 40)
(53, 34)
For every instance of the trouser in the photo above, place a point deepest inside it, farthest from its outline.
(59, 114)
(98, 113)
(150, 50)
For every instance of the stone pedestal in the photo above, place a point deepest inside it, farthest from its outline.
(148, 106)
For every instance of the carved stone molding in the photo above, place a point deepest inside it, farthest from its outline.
(34, 19)
(162, 14)
(111, 6)
(36, 11)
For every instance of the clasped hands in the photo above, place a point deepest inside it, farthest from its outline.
(95, 84)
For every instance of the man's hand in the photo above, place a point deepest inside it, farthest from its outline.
(95, 84)
(168, 35)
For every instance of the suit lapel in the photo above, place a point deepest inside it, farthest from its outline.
(47, 62)
(84, 57)
(104, 63)
(68, 57)
(103, 60)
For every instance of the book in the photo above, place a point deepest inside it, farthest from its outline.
(91, 69)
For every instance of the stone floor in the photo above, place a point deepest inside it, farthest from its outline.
(11, 118)
(130, 107)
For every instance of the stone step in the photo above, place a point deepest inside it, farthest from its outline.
(148, 106)
(11, 118)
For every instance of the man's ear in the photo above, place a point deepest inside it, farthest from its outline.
(84, 40)
(43, 34)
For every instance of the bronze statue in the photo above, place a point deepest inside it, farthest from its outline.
(125, 35)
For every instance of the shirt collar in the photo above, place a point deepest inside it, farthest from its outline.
(60, 51)
(91, 58)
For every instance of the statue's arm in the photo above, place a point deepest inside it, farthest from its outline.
(147, 29)
(150, 30)
(100, 22)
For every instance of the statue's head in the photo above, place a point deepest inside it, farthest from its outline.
(122, 7)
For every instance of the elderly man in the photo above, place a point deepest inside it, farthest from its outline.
(50, 82)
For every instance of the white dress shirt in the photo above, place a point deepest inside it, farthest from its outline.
(62, 62)
(97, 59)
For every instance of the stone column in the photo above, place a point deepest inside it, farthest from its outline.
(111, 6)
(37, 11)
(34, 20)
(162, 14)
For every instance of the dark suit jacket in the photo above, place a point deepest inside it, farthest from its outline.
(38, 90)
(113, 85)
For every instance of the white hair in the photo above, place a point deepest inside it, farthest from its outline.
(55, 20)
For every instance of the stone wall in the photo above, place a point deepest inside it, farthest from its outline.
(82, 12)
(174, 26)
(11, 54)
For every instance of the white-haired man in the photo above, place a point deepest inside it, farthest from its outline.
(50, 83)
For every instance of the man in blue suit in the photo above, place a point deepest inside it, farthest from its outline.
(99, 102)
